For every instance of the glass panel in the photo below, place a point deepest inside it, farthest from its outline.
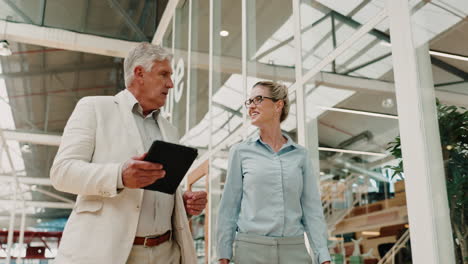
(228, 93)
(167, 44)
(327, 24)
(351, 114)
(129, 20)
(199, 133)
(269, 49)
(227, 96)
(269, 37)
(180, 66)
(23, 11)
(442, 27)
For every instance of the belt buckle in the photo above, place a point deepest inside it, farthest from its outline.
(144, 242)
(146, 239)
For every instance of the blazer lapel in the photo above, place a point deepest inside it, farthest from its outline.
(129, 123)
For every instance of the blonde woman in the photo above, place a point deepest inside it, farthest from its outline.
(271, 196)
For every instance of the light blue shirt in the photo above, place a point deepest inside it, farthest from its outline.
(271, 194)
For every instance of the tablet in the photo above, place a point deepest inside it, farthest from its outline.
(176, 160)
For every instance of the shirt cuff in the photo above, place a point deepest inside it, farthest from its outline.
(323, 255)
(224, 252)
(119, 178)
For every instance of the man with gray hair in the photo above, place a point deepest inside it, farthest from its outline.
(114, 221)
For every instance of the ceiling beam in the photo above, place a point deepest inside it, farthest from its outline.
(449, 68)
(64, 39)
(61, 69)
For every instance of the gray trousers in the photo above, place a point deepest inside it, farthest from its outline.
(253, 249)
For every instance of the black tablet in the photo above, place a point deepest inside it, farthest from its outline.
(176, 160)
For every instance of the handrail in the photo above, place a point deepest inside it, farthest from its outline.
(390, 256)
(334, 216)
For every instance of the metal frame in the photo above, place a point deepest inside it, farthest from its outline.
(34, 138)
(164, 22)
(409, 65)
(429, 217)
(189, 69)
(208, 220)
(244, 64)
(345, 45)
(64, 39)
(15, 185)
(300, 98)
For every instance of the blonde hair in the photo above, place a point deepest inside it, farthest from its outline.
(278, 91)
(143, 54)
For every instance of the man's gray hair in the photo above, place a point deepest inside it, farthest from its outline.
(144, 54)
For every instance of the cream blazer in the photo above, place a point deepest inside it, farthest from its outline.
(100, 135)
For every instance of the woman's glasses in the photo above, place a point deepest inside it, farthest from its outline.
(257, 100)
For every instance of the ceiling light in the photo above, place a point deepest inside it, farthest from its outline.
(5, 48)
(26, 148)
(448, 55)
(358, 112)
(353, 152)
(388, 103)
(224, 33)
(370, 233)
(385, 43)
(435, 53)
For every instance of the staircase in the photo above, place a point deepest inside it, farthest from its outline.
(401, 243)
(348, 192)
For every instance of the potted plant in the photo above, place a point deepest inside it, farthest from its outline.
(453, 128)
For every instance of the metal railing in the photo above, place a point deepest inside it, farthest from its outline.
(351, 196)
(401, 243)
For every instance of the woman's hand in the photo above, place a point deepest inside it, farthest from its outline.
(224, 261)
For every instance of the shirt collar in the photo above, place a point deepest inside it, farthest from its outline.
(134, 106)
(289, 142)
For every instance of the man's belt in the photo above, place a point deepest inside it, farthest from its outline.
(152, 241)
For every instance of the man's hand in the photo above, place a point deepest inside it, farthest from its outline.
(194, 202)
(137, 173)
(223, 261)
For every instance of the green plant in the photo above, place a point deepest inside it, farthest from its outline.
(453, 129)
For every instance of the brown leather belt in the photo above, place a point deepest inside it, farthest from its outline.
(152, 241)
